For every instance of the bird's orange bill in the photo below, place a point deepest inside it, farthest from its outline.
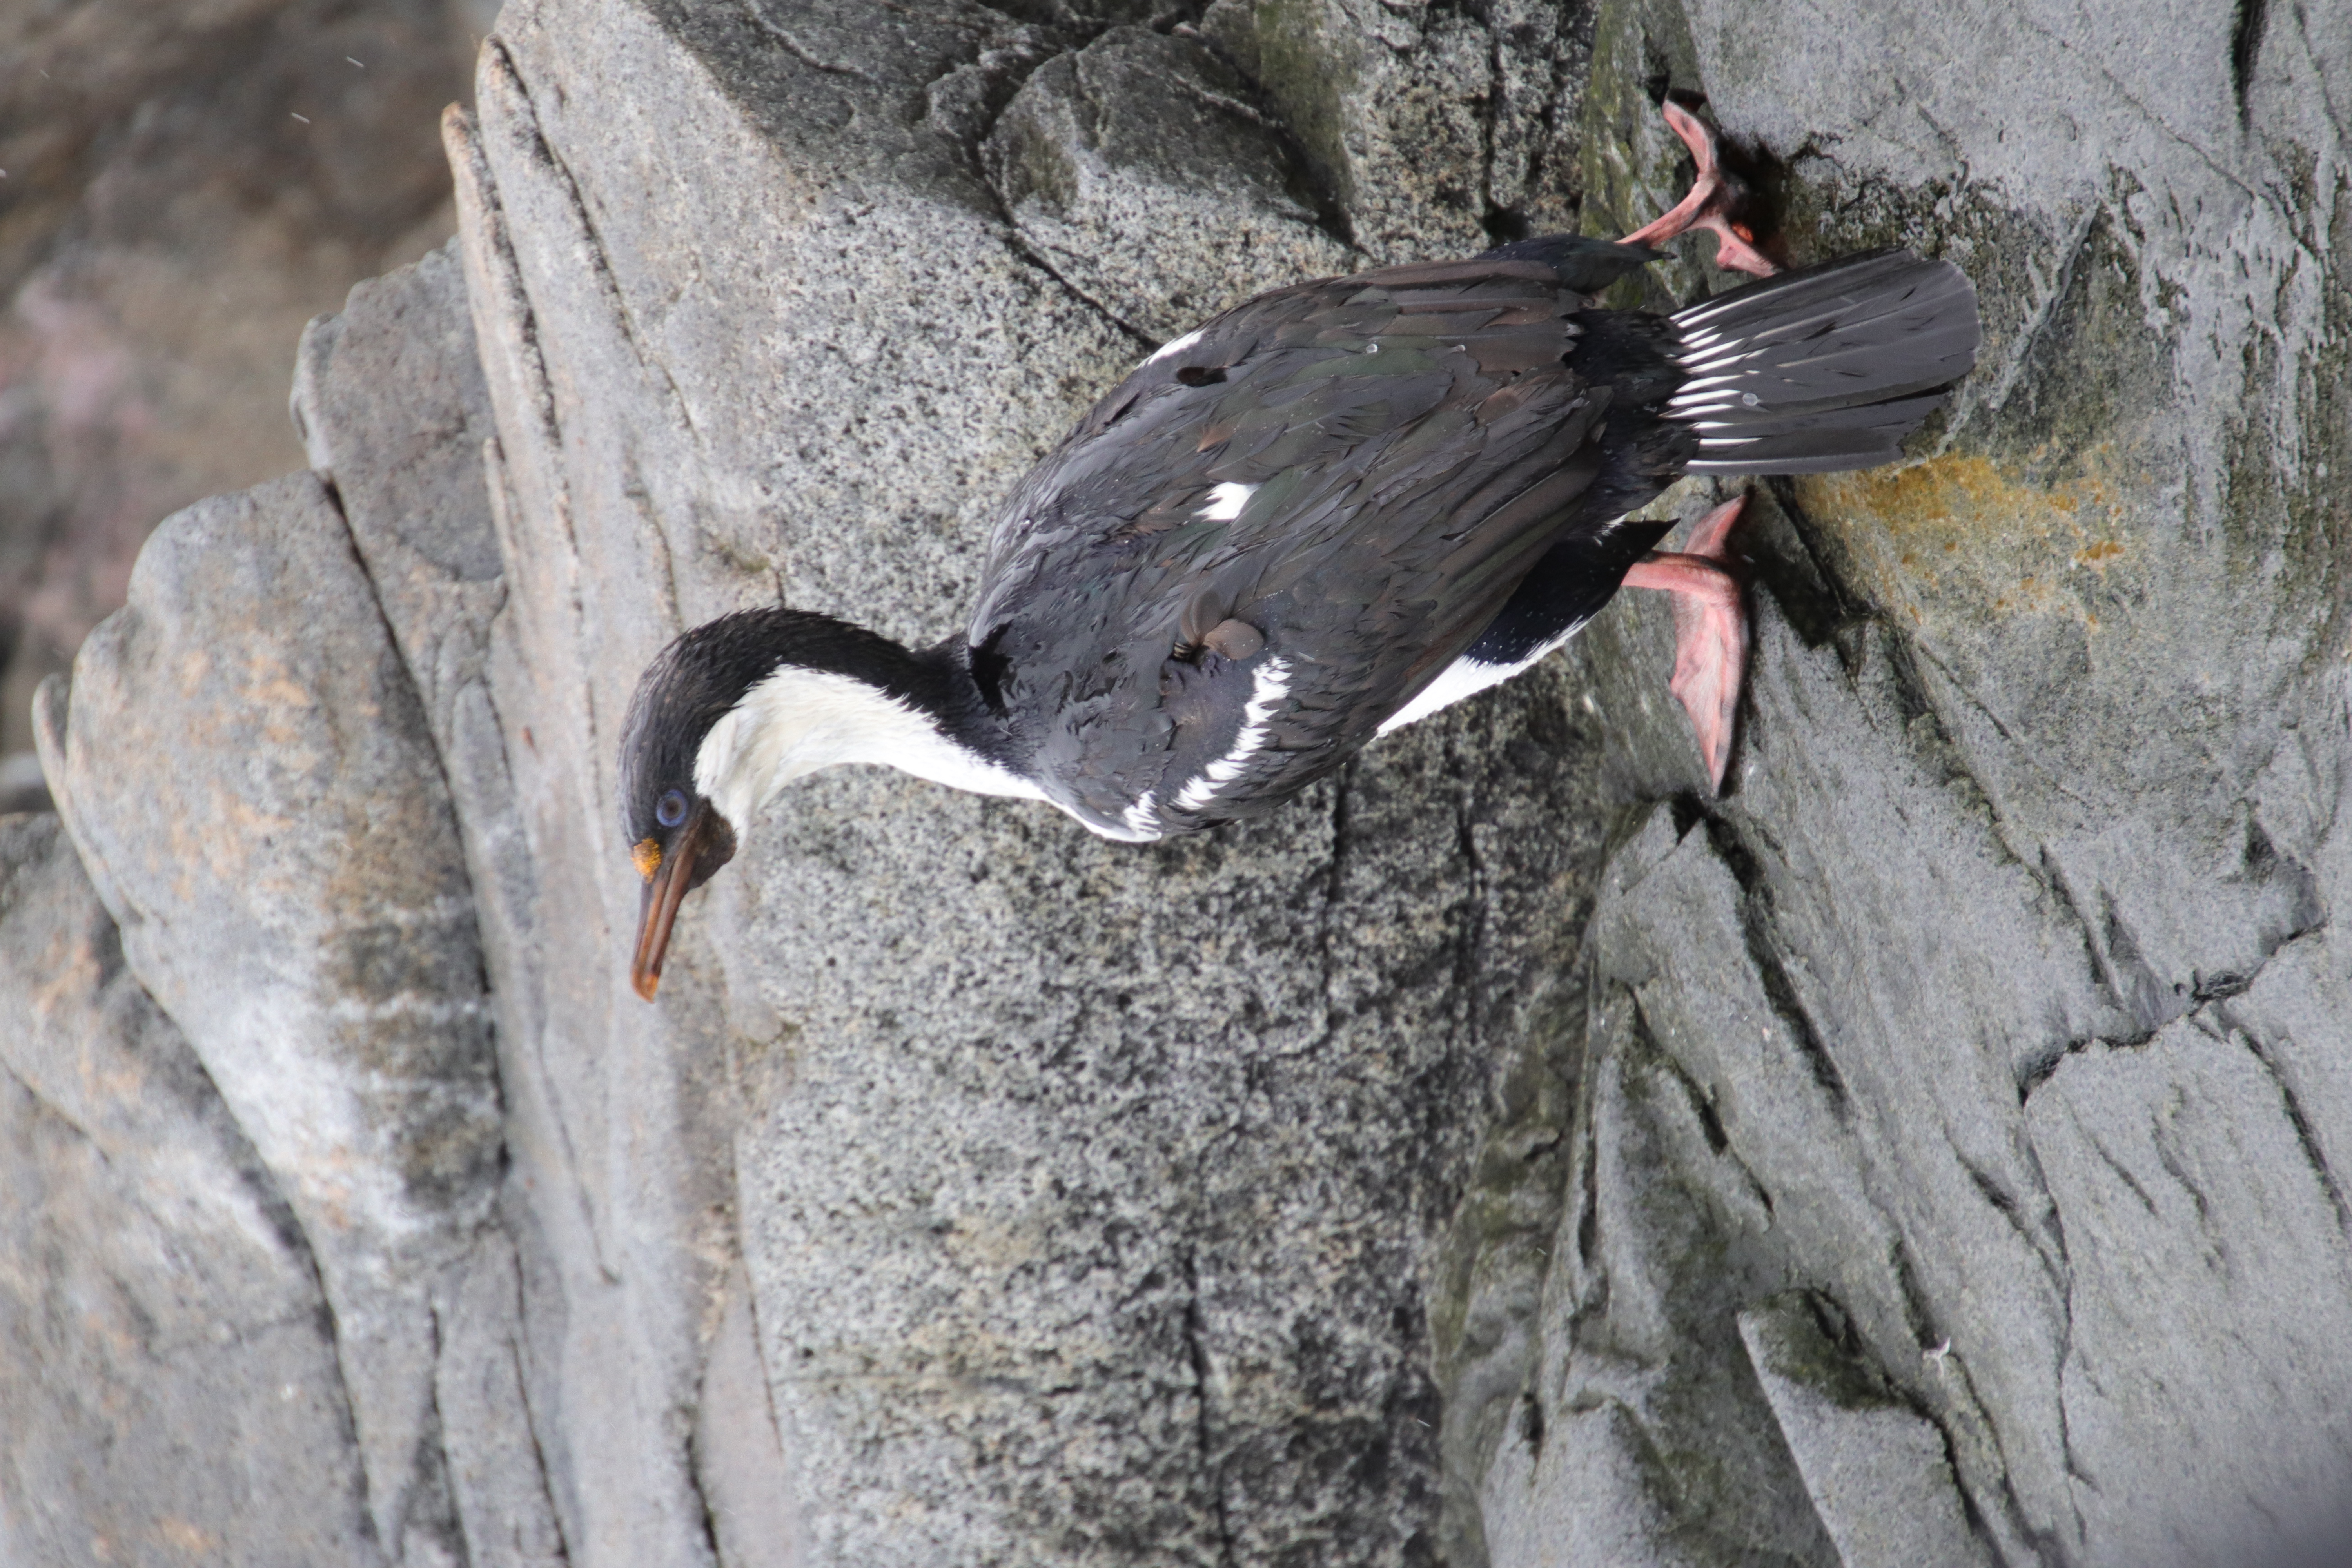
(664, 890)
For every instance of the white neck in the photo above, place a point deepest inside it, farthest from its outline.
(798, 721)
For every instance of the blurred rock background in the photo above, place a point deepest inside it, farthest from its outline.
(186, 184)
(1932, 1151)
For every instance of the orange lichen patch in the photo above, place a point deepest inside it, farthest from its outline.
(187, 1539)
(646, 858)
(1962, 532)
(1946, 500)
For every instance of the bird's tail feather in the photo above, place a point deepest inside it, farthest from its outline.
(1826, 368)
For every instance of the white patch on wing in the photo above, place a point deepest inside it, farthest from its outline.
(1142, 818)
(1465, 676)
(1226, 501)
(1174, 346)
(1268, 685)
(1468, 676)
(798, 721)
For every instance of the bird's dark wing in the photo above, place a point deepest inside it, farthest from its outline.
(1356, 470)
(1584, 263)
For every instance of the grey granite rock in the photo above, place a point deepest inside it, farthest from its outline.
(245, 769)
(1432, 129)
(1878, 1472)
(2042, 766)
(389, 397)
(1088, 1198)
(167, 1366)
(1143, 173)
(1927, 1152)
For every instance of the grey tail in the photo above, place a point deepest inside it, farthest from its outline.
(1823, 370)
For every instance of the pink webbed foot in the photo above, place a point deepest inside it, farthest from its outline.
(1708, 205)
(1710, 631)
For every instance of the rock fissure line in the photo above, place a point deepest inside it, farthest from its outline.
(1017, 243)
(1304, 172)
(2122, 1173)
(48, 1106)
(512, 302)
(1851, 611)
(640, 499)
(2124, 93)
(2307, 1135)
(802, 52)
(2054, 1263)
(1492, 216)
(1205, 1416)
(570, 1156)
(346, 1406)
(2235, 985)
(600, 267)
(1771, 973)
(1200, 92)
(482, 1006)
(2318, 78)
(2165, 1139)
(430, 1469)
(2001, 1484)
(1971, 1514)
(1013, 82)
(2245, 48)
(1703, 1110)
(1919, 1307)
(1025, 250)
(1994, 399)
(535, 145)
(706, 1516)
(1472, 897)
(1334, 889)
(2103, 974)
(530, 1423)
(2067, 1456)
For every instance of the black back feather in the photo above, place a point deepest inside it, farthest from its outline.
(1413, 441)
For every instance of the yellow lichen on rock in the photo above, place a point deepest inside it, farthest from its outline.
(1963, 533)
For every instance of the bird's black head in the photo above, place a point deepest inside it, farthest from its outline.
(677, 837)
(683, 798)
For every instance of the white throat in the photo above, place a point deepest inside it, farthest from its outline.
(798, 721)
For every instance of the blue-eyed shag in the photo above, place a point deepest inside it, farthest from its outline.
(1328, 512)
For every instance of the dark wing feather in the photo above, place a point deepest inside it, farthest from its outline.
(1412, 441)
(1584, 263)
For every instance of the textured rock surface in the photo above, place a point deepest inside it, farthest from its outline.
(1926, 1154)
(248, 773)
(1083, 1194)
(1142, 171)
(171, 1385)
(1935, 1012)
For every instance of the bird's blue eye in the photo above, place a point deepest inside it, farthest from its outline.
(671, 810)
